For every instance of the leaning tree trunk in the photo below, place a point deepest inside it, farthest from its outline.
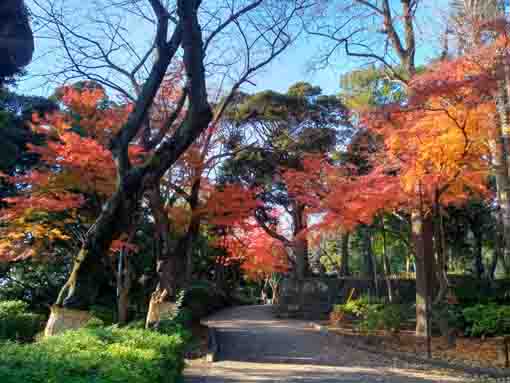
(88, 272)
(82, 287)
(422, 229)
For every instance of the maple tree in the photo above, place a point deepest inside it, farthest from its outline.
(263, 258)
(433, 151)
(75, 171)
(283, 128)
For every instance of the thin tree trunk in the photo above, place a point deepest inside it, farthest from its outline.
(496, 256)
(386, 264)
(123, 286)
(344, 268)
(440, 301)
(478, 250)
(368, 257)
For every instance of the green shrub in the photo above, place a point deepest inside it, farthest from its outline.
(359, 307)
(371, 320)
(202, 299)
(487, 320)
(392, 316)
(17, 323)
(99, 355)
(387, 317)
(106, 314)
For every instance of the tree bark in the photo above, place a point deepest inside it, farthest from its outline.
(478, 250)
(386, 264)
(300, 251)
(166, 263)
(300, 243)
(500, 153)
(498, 240)
(123, 286)
(81, 289)
(88, 273)
(368, 257)
(344, 268)
(422, 229)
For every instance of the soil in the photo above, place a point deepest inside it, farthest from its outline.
(475, 352)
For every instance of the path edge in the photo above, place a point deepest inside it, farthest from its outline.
(476, 371)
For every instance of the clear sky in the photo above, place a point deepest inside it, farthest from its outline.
(294, 65)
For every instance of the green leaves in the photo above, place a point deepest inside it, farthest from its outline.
(487, 320)
(103, 355)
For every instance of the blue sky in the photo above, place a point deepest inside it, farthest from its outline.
(294, 65)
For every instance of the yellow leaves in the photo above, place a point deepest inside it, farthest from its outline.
(30, 239)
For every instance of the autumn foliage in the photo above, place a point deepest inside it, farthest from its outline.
(75, 168)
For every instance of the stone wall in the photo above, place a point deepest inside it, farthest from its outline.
(313, 298)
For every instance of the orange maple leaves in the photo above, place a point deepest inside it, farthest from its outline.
(74, 165)
(433, 149)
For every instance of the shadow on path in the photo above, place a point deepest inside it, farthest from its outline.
(256, 347)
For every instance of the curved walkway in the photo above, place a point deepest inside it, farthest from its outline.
(256, 347)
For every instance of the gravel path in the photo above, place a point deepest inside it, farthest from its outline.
(256, 347)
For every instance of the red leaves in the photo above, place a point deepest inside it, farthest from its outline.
(229, 205)
(259, 253)
(50, 204)
(72, 168)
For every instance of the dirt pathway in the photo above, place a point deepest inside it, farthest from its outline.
(256, 347)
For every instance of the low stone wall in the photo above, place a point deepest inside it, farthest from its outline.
(313, 298)
(310, 298)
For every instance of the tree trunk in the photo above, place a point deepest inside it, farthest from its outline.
(193, 230)
(82, 287)
(88, 273)
(478, 250)
(498, 239)
(500, 154)
(62, 319)
(422, 229)
(300, 251)
(123, 286)
(344, 270)
(386, 265)
(163, 297)
(368, 257)
(440, 302)
(300, 242)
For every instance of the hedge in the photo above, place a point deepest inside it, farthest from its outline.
(96, 354)
(17, 323)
